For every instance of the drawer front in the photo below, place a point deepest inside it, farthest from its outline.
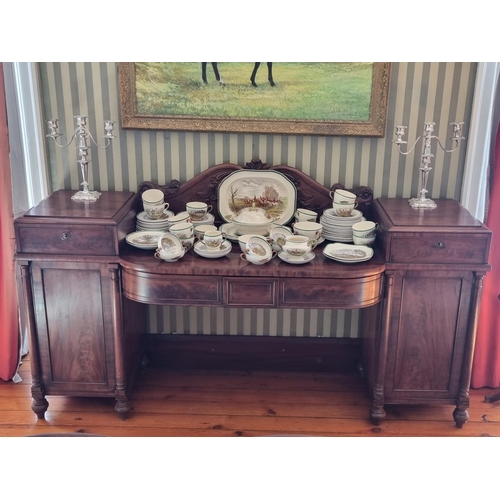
(250, 292)
(330, 294)
(75, 240)
(181, 290)
(437, 249)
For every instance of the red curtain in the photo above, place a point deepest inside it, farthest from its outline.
(486, 367)
(9, 329)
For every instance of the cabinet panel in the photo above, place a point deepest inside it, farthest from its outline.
(250, 292)
(428, 333)
(73, 322)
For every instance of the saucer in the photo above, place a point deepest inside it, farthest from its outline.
(296, 260)
(144, 217)
(200, 249)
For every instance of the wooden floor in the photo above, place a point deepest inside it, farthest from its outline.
(222, 403)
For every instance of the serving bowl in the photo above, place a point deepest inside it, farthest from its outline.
(252, 220)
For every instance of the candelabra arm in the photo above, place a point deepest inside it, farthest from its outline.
(447, 150)
(62, 145)
(412, 148)
(108, 141)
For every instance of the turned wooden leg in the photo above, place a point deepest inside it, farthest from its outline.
(377, 413)
(460, 415)
(40, 403)
(122, 406)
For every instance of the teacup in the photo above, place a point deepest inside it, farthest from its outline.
(363, 240)
(297, 246)
(162, 254)
(312, 230)
(213, 240)
(153, 196)
(197, 210)
(364, 229)
(258, 250)
(183, 230)
(199, 231)
(155, 211)
(242, 240)
(342, 196)
(176, 219)
(305, 215)
(257, 259)
(187, 243)
(344, 209)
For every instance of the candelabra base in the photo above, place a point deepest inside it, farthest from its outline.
(422, 203)
(86, 196)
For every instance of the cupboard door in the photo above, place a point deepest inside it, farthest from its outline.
(427, 335)
(74, 327)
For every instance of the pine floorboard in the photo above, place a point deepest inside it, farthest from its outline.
(198, 403)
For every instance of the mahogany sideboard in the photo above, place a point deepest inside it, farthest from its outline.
(84, 290)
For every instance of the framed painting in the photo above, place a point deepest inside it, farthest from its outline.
(269, 98)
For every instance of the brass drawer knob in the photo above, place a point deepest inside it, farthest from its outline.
(439, 244)
(66, 235)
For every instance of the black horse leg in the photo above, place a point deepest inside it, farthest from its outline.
(204, 72)
(254, 73)
(216, 73)
(270, 74)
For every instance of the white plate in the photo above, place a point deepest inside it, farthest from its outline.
(253, 184)
(200, 249)
(348, 253)
(144, 217)
(147, 240)
(296, 260)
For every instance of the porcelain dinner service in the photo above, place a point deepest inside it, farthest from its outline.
(260, 235)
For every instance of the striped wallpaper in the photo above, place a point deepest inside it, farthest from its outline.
(419, 92)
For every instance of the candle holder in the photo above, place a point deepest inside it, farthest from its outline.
(82, 136)
(422, 201)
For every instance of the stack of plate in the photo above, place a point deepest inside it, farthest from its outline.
(348, 253)
(146, 223)
(336, 228)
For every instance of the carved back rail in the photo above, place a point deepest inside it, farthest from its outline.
(205, 187)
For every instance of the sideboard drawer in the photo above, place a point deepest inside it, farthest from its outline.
(341, 293)
(70, 239)
(438, 249)
(250, 292)
(153, 288)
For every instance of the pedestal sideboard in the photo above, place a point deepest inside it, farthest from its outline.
(84, 291)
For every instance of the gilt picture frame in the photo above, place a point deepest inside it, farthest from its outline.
(338, 99)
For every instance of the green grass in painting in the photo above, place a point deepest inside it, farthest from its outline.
(303, 91)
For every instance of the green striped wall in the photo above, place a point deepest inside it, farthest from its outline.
(419, 92)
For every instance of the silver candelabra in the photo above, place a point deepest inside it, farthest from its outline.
(82, 136)
(422, 201)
